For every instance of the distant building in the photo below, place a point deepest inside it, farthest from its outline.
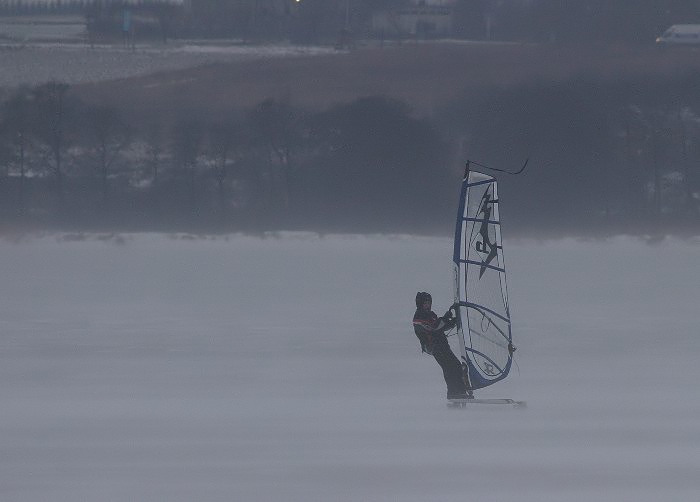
(79, 20)
(420, 18)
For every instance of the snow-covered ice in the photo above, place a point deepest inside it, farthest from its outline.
(158, 368)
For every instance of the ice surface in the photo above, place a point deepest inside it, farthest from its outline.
(155, 368)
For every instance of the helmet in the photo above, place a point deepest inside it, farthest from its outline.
(422, 297)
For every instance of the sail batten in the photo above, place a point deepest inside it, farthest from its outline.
(481, 264)
(484, 309)
(479, 220)
(471, 331)
(484, 336)
(477, 183)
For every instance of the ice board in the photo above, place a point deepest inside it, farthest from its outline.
(463, 403)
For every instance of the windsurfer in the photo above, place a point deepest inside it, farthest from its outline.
(430, 330)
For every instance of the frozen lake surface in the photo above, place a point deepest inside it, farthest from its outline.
(158, 368)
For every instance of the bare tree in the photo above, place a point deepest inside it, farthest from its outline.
(16, 127)
(155, 151)
(277, 128)
(226, 142)
(106, 137)
(690, 129)
(187, 139)
(51, 130)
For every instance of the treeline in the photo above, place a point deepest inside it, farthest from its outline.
(368, 165)
(604, 158)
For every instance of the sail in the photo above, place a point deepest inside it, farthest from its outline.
(483, 328)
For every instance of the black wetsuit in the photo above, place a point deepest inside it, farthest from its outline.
(430, 330)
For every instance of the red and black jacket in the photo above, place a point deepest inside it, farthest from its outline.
(430, 328)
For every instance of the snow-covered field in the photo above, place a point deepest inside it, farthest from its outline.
(154, 368)
(79, 63)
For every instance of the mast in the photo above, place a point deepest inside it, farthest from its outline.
(458, 246)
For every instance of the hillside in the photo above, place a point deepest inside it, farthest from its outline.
(425, 75)
(612, 136)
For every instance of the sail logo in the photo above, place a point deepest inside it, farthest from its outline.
(490, 369)
(487, 250)
(482, 247)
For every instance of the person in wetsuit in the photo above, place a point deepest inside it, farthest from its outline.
(430, 330)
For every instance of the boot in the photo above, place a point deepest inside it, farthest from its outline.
(459, 395)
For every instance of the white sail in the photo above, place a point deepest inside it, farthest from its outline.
(484, 329)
